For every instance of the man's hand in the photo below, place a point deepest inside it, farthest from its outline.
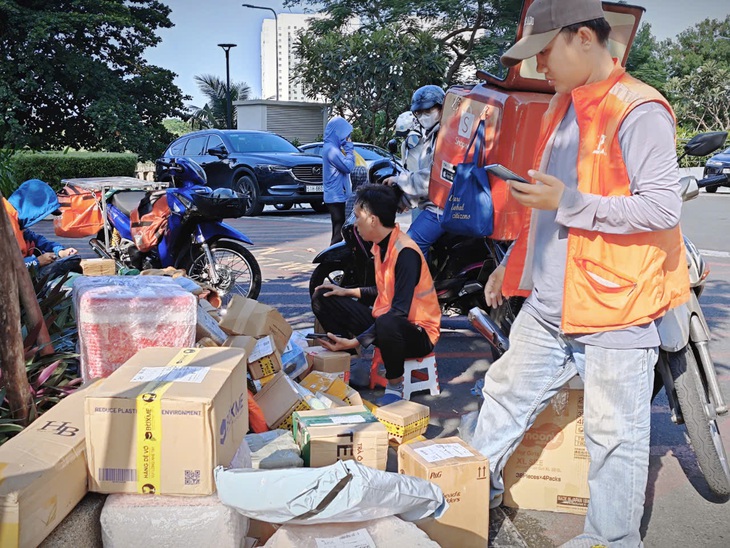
(68, 252)
(336, 343)
(545, 196)
(337, 291)
(46, 259)
(493, 289)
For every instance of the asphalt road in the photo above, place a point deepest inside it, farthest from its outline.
(679, 510)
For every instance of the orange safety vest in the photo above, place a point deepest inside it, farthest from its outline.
(13, 215)
(425, 311)
(612, 281)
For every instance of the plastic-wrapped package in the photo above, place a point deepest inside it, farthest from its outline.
(119, 315)
(170, 522)
(242, 458)
(385, 533)
(345, 491)
(273, 450)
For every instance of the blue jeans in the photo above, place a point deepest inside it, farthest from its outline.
(617, 415)
(425, 230)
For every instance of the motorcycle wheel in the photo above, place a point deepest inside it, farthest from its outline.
(326, 272)
(704, 436)
(237, 269)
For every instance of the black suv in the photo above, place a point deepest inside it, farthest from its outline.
(264, 167)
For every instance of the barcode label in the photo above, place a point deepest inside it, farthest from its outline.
(118, 475)
(192, 477)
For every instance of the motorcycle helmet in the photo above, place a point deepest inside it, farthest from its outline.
(427, 97)
(404, 123)
(191, 173)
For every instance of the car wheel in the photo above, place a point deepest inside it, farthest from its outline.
(283, 207)
(711, 189)
(249, 190)
(319, 206)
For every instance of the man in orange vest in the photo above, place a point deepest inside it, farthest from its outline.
(600, 260)
(405, 318)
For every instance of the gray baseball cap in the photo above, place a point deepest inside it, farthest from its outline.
(544, 20)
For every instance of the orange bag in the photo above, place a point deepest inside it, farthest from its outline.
(81, 213)
(256, 419)
(149, 220)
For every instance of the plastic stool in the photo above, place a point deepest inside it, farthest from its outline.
(414, 380)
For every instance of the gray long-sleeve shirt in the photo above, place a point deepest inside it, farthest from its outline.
(646, 138)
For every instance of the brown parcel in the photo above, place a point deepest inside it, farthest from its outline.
(549, 469)
(278, 399)
(166, 437)
(98, 267)
(43, 473)
(249, 317)
(404, 419)
(343, 433)
(207, 327)
(326, 361)
(263, 357)
(331, 383)
(463, 475)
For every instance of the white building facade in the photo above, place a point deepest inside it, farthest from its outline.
(288, 26)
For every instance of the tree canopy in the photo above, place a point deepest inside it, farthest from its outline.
(73, 76)
(215, 111)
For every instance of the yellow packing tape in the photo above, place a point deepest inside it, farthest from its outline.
(149, 427)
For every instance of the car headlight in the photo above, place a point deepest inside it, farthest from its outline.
(276, 169)
(714, 163)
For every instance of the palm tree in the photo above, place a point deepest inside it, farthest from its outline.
(213, 113)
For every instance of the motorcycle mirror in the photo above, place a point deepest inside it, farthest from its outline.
(705, 143)
(690, 188)
(392, 146)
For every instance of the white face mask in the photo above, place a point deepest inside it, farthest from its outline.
(429, 120)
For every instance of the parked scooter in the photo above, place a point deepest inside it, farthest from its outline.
(195, 238)
(685, 366)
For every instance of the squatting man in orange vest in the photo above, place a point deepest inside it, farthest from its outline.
(405, 318)
(600, 260)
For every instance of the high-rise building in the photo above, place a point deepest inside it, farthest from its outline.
(288, 26)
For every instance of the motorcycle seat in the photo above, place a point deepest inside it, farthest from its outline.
(127, 200)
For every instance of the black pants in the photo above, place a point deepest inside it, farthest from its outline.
(396, 337)
(337, 215)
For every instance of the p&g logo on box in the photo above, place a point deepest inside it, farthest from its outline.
(233, 413)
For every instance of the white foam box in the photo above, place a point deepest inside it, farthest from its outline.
(171, 522)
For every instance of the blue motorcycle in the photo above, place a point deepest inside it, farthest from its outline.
(192, 237)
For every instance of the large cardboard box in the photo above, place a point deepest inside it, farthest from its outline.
(207, 326)
(549, 469)
(245, 316)
(263, 357)
(344, 433)
(331, 383)
(404, 419)
(43, 473)
(163, 420)
(278, 399)
(326, 361)
(463, 475)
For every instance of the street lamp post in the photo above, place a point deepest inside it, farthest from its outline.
(229, 119)
(276, 33)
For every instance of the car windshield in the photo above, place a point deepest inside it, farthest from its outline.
(371, 153)
(259, 142)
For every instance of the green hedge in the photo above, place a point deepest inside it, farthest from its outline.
(51, 167)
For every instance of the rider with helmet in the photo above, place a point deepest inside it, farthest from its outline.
(426, 106)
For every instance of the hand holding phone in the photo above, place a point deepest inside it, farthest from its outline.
(503, 173)
(314, 336)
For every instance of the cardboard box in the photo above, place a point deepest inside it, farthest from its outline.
(404, 419)
(463, 475)
(549, 469)
(345, 433)
(43, 473)
(331, 383)
(263, 357)
(249, 317)
(207, 327)
(326, 361)
(98, 267)
(163, 420)
(278, 399)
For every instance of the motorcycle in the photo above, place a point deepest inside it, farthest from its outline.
(195, 238)
(685, 366)
(460, 266)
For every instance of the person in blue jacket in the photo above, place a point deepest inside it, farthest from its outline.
(338, 160)
(33, 201)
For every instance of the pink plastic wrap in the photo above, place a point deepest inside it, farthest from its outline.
(117, 316)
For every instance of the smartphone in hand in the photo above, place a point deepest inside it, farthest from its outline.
(314, 336)
(503, 173)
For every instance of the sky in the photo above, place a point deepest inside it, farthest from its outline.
(190, 47)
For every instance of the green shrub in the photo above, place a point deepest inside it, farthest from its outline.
(7, 179)
(51, 167)
(684, 135)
